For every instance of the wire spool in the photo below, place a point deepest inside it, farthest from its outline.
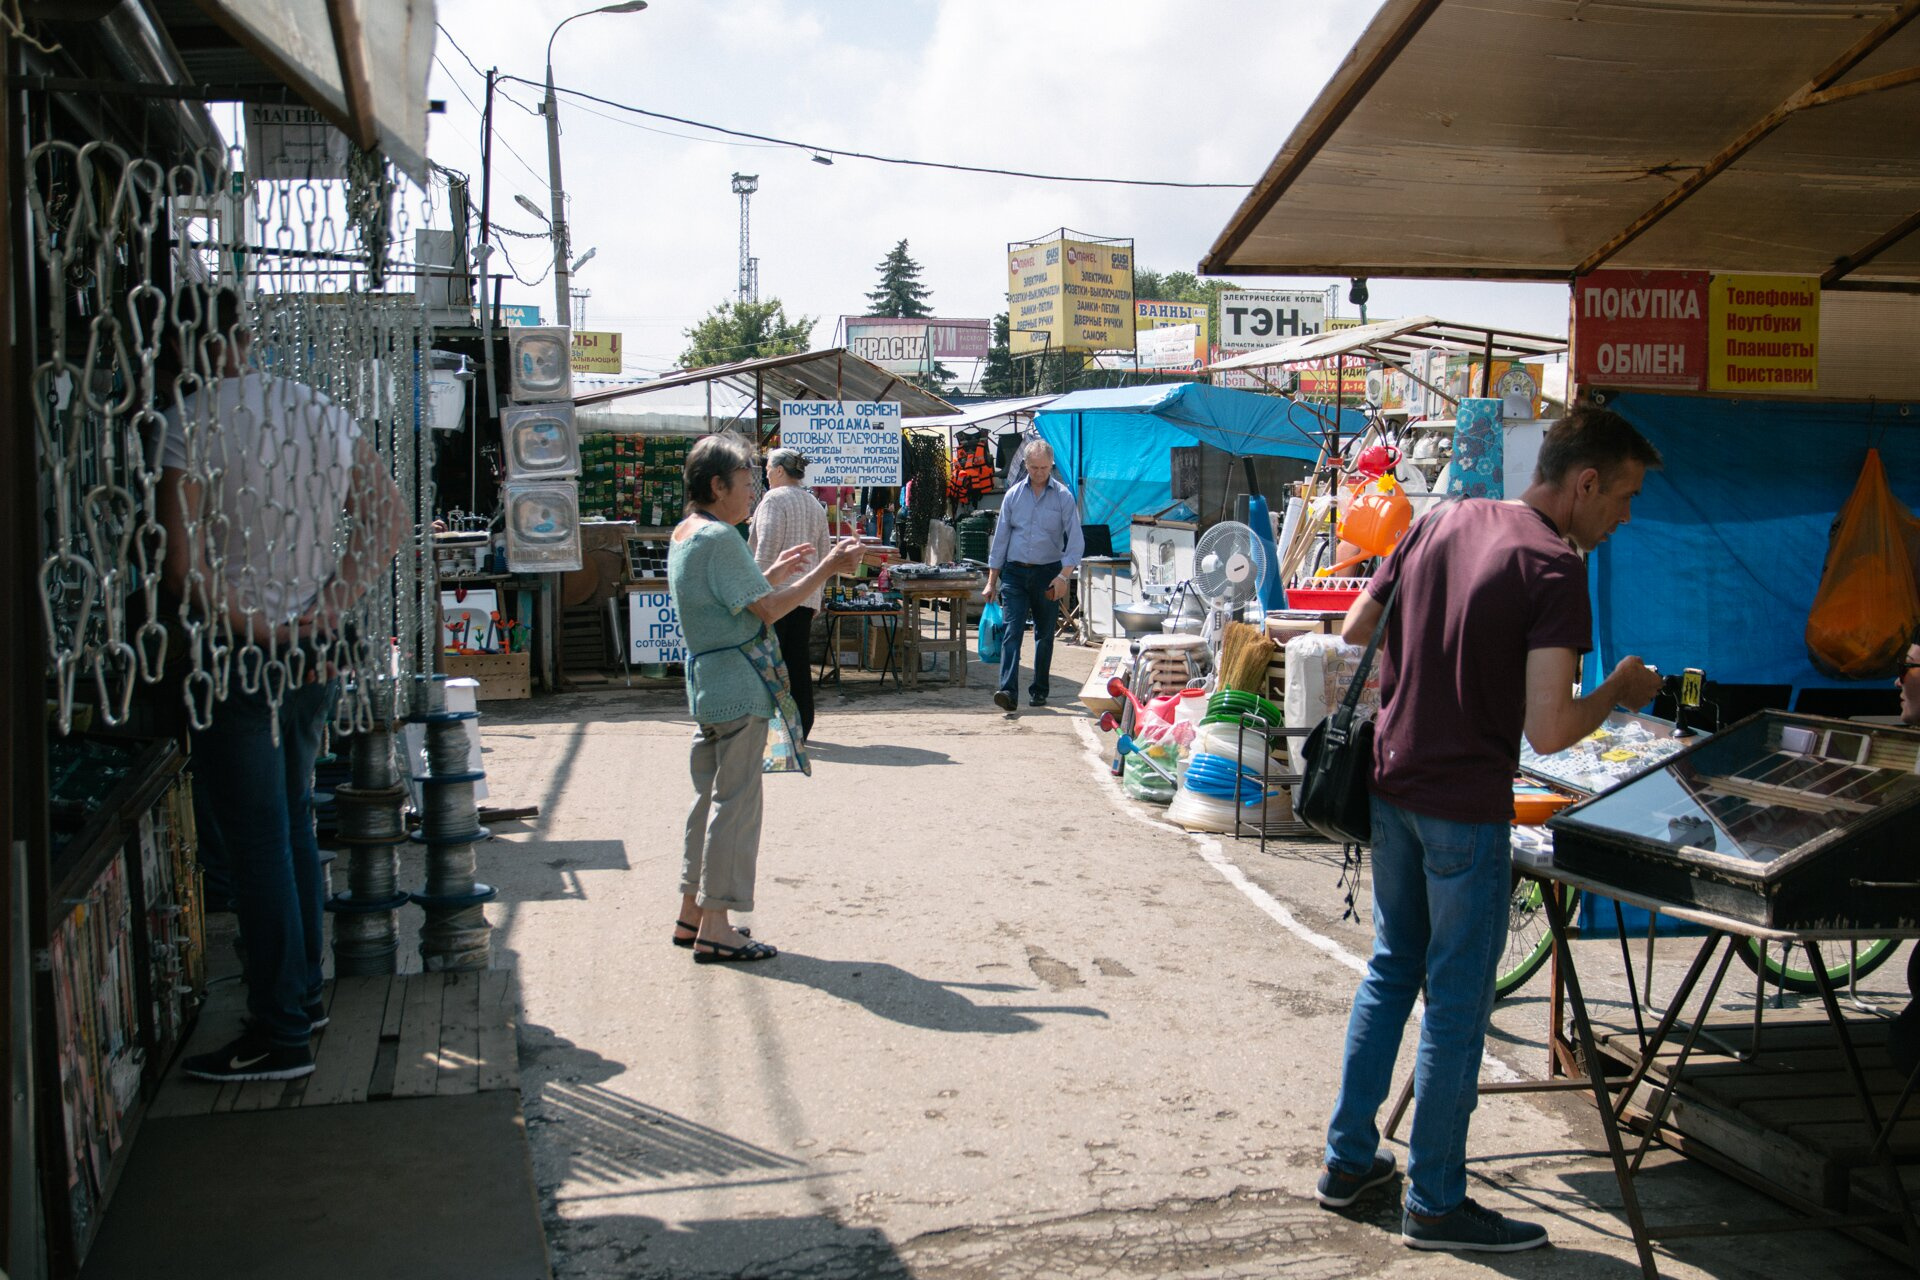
(369, 817)
(373, 874)
(365, 945)
(449, 749)
(429, 695)
(374, 766)
(456, 941)
(449, 815)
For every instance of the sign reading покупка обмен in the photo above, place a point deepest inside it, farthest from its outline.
(847, 442)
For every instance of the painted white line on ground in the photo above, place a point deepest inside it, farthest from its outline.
(1215, 856)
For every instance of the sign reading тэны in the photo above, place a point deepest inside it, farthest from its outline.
(847, 442)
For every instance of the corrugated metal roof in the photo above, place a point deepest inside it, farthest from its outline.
(832, 374)
(1397, 341)
(1537, 139)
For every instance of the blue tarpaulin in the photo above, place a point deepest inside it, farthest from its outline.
(1718, 567)
(1111, 445)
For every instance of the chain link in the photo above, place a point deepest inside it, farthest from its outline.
(265, 413)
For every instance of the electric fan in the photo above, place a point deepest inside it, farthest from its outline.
(1228, 563)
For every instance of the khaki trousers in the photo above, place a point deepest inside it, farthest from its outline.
(723, 828)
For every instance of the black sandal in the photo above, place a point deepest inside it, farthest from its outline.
(679, 941)
(721, 953)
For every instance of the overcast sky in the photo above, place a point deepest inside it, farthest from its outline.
(1199, 90)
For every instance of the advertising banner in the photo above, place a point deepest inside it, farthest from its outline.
(1098, 286)
(653, 628)
(914, 346)
(1763, 334)
(1070, 295)
(1148, 314)
(1036, 311)
(595, 352)
(1640, 329)
(1254, 318)
(1171, 347)
(847, 442)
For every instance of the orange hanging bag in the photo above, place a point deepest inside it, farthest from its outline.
(1867, 609)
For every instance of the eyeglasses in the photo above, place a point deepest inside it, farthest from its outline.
(1906, 667)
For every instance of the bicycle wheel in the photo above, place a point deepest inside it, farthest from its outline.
(1529, 938)
(1793, 969)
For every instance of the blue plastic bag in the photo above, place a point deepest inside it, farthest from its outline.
(992, 624)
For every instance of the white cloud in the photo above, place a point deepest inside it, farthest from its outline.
(1130, 88)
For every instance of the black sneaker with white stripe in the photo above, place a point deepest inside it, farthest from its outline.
(252, 1057)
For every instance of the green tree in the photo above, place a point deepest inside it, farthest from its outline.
(745, 331)
(1184, 286)
(1000, 378)
(900, 292)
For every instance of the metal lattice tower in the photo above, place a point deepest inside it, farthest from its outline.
(744, 185)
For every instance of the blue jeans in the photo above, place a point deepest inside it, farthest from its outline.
(1440, 893)
(259, 794)
(1023, 596)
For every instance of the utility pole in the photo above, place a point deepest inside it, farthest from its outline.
(744, 185)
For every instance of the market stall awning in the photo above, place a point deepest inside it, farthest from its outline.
(1396, 342)
(971, 415)
(363, 66)
(1539, 139)
(833, 374)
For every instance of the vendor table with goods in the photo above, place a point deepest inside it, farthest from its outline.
(926, 594)
(869, 608)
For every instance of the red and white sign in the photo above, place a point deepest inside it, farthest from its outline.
(1641, 329)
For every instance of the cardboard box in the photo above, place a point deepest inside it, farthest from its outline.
(1114, 660)
(502, 676)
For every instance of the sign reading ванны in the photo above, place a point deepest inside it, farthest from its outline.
(1150, 314)
(847, 442)
(1641, 329)
(1763, 334)
(1070, 295)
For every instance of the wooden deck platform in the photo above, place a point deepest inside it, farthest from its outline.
(1787, 1117)
(408, 1036)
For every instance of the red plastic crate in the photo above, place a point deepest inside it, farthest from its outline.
(1326, 593)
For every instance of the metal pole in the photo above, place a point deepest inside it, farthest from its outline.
(561, 301)
(486, 262)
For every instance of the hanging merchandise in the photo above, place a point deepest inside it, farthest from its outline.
(972, 472)
(543, 526)
(542, 362)
(1867, 609)
(924, 468)
(540, 442)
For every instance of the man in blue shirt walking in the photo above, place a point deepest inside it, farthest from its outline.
(1036, 546)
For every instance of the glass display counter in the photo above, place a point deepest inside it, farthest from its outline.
(1785, 821)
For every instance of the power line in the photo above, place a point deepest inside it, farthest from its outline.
(477, 71)
(862, 155)
(534, 173)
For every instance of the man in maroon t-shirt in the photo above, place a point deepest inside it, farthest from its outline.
(1489, 621)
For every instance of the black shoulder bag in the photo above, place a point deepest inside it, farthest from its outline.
(1333, 797)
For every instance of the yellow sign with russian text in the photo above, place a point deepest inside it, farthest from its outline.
(595, 352)
(1036, 313)
(1152, 314)
(1099, 293)
(1763, 334)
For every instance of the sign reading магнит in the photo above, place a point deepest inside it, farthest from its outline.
(847, 442)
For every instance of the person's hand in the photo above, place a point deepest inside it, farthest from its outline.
(789, 562)
(992, 589)
(845, 556)
(1636, 681)
(1057, 589)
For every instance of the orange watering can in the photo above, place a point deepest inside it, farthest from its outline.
(1375, 522)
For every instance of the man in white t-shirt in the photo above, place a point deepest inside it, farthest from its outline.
(279, 515)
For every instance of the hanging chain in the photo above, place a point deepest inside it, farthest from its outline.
(228, 403)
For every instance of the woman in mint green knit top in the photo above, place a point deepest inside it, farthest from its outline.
(724, 601)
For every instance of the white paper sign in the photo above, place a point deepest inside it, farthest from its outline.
(1252, 319)
(847, 442)
(653, 628)
(293, 143)
(1168, 348)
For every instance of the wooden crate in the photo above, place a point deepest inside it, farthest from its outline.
(502, 676)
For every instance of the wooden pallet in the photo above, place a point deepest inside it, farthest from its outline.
(1789, 1117)
(408, 1036)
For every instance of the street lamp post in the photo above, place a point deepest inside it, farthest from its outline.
(563, 302)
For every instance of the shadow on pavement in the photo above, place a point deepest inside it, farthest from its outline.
(885, 754)
(890, 992)
(636, 1247)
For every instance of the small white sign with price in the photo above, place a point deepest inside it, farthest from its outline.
(653, 628)
(847, 442)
